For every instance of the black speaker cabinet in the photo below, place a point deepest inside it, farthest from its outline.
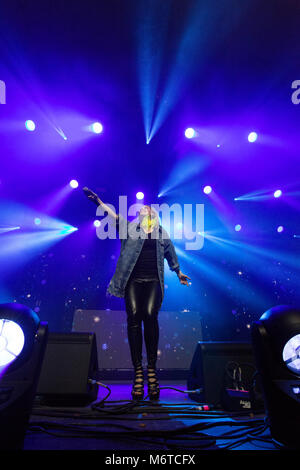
(18, 386)
(212, 371)
(70, 361)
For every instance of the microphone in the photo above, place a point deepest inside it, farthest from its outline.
(91, 195)
(86, 190)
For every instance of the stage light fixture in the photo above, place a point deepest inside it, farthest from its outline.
(11, 341)
(30, 125)
(74, 184)
(238, 228)
(252, 137)
(37, 221)
(97, 223)
(276, 344)
(280, 229)
(207, 189)
(140, 195)
(190, 133)
(23, 341)
(97, 127)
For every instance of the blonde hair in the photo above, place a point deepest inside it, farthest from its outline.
(153, 213)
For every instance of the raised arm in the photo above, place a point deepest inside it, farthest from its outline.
(96, 199)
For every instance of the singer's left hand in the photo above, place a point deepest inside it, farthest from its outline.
(183, 278)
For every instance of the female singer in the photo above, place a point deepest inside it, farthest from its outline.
(139, 278)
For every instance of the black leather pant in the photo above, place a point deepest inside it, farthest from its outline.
(143, 300)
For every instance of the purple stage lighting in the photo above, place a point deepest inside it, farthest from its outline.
(74, 184)
(190, 133)
(277, 193)
(140, 195)
(97, 127)
(252, 137)
(207, 189)
(30, 125)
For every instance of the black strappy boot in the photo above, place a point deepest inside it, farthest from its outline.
(153, 385)
(137, 392)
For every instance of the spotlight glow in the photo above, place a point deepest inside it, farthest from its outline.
(291, 354)
(252, 137)
(280, 229)
(207, 189)
(238, 228)
(97, 127)
(67, 229)
(190, 133)
(140, 195)
(30, 125)
(11, 341)
(37, 221)
(97, 223)
(9, 229)
(277, 193)
(74, 184)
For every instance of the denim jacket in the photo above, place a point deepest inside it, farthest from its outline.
(131, 247)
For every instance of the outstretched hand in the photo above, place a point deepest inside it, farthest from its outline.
(91, 195)
(183, 278)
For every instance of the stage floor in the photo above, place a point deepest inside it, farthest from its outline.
(172, 424)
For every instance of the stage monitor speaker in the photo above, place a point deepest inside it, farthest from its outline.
(179, 331)
(223, 372)
(70, 361)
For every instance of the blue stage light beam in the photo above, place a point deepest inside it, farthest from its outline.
(248, 257)
(9, 229)
(197, 41)
(184, 170)
(18, 246)
(24, 242)
(54, 201)
(223, 279)
(272, 254)
(151, 36)
(260, 195)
